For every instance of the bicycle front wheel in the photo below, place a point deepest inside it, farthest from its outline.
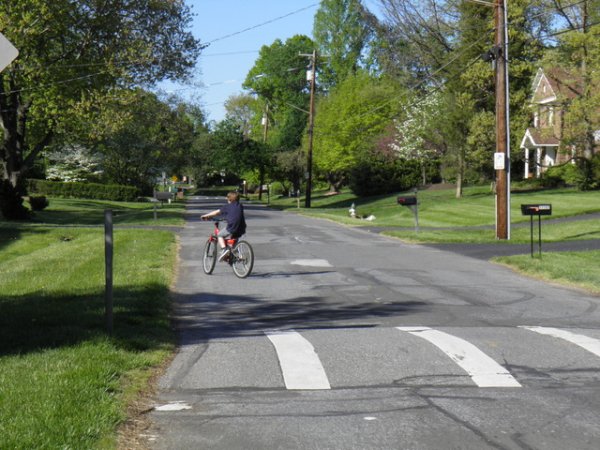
(243, 259)
(209, 257)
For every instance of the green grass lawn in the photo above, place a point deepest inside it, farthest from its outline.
(63, 211)
(63, 382)
(577, 269)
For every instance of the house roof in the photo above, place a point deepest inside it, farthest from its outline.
(563, 85)
(539, 138)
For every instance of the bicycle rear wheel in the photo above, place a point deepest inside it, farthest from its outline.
(243, 259)
(209, 257)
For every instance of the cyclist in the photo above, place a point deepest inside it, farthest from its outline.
(233, 212)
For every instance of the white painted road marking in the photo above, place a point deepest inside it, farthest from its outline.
(300, 365)
(484, 371)
(590, 344)
(311, 262)
(173, 406)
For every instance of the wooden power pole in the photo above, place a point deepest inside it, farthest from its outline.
(311, 120)
(502, 156)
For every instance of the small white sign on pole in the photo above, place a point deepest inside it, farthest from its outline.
(8, 52)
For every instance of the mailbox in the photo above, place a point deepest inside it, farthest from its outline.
(407, 201)
(536, 210)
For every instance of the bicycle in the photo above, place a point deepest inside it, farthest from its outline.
(240, 257)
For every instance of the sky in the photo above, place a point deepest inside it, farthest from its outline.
(233, 50)
(236, 30)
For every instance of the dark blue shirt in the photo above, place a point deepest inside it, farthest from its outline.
(234, 214)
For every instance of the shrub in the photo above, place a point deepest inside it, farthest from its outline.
(94, 191)
(38, 202)
(377, 174)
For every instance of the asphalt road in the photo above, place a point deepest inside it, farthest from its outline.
(345, 339)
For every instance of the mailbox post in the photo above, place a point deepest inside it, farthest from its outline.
(411, 202)
(536, 210)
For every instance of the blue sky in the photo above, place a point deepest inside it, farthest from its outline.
(223, 65)
(234, 47)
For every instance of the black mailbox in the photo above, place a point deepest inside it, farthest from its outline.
(536, 210)
(407, 201)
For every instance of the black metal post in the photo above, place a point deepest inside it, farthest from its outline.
(540, 235)
(531, 233)
(108, 263)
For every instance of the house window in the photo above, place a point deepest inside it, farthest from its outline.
(551, 116)
(536, 119)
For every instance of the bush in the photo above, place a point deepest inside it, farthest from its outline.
(92, 191)
(38, 202)
(585, 175)
(377, 174)
(277, 188)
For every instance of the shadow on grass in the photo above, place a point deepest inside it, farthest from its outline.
(95, 215)
(8, 235)
(202, 317)
(39, 321)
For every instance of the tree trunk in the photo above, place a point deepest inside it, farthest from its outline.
(261, 181)
(460, 173)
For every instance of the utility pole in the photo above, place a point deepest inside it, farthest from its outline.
(311, 75)
(265, 123)
(502, 157)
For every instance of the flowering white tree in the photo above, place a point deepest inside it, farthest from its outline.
(73, 164)
(416, 137)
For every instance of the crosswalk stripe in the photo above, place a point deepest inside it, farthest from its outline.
(484, 371)
(590, 344)
(300, 365)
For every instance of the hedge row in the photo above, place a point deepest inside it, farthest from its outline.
(93, 191)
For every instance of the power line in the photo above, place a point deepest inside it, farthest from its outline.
(262, 24)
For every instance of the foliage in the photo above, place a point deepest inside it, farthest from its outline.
(84, 190)
(349, 121)
(278, 77)
(73, 164)
(376, 174)
(71, 52)
(342, 34)
(38, 202)
(289, 169)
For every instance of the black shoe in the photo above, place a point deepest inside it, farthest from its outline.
(224, 254)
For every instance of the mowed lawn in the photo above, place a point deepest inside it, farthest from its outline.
(64, 382)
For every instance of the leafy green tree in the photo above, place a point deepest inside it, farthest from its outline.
(152, 136)
(71, 51)
(342, 33)
(348, 121)
(278, 77)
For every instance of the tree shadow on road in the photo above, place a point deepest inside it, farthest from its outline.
(203, 317)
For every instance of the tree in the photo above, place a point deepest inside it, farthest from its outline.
(70, 51)
(152, 136)
(416, 135)
(242, 109)
(348, 121)
(278, 77)
(579, 51)
(341, 33)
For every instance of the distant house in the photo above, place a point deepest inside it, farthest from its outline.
(552, 91)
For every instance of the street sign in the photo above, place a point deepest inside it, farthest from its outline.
(8, 52)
